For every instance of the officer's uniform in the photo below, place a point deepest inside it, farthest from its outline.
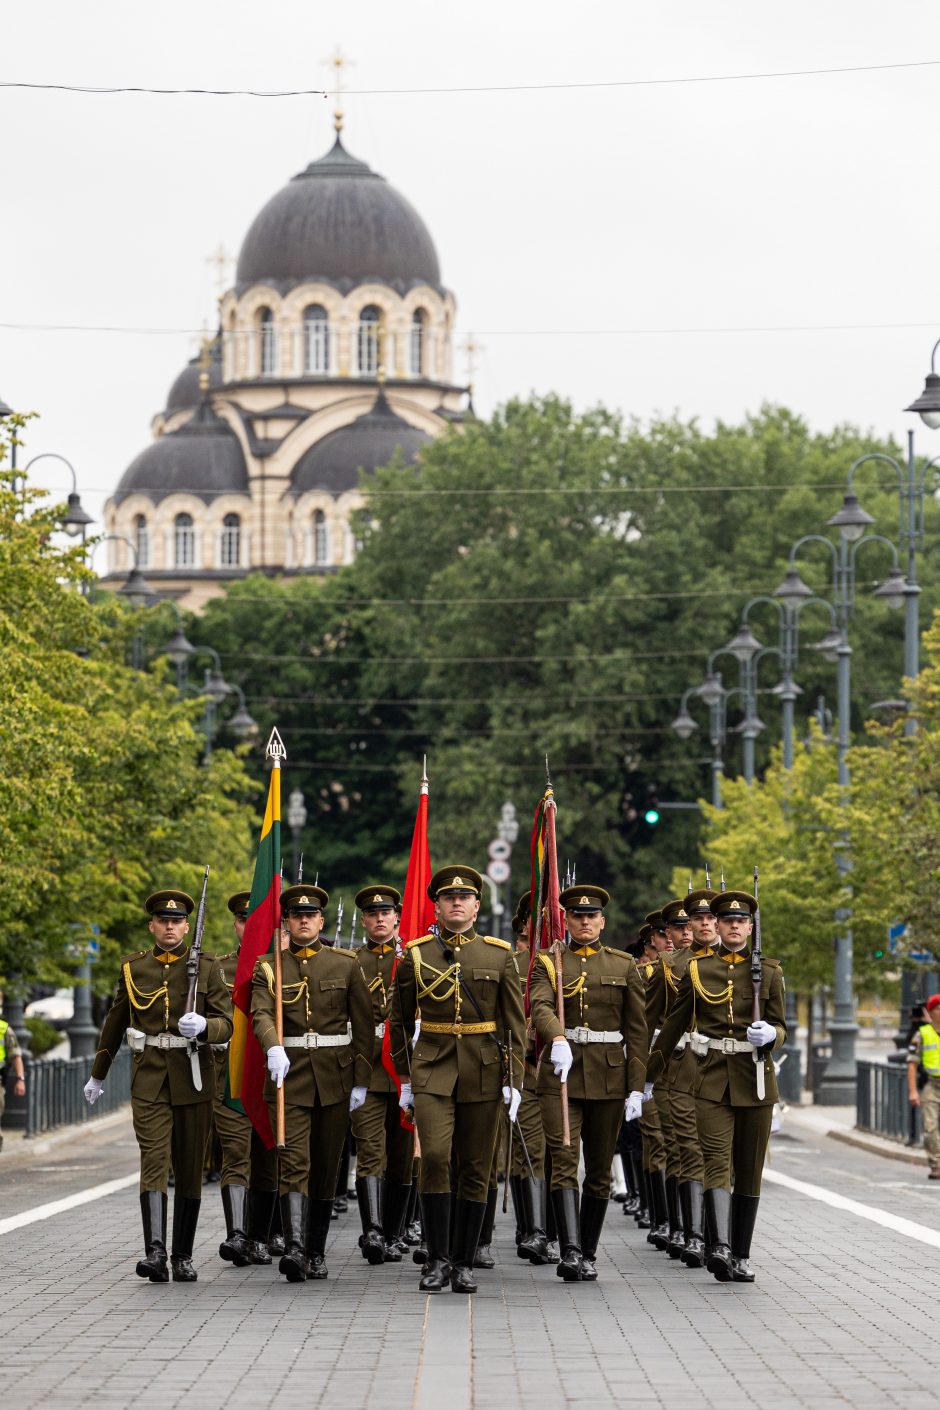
(249, 1169)
(605, 1024)
(328, 1035)
(715, 1002)
(171, 1115)
(384, 1148)
(466, 989)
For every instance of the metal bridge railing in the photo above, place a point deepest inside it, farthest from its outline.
(54, 1095)
(881, 1104)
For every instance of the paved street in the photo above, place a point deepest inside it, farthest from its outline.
(842, 1313)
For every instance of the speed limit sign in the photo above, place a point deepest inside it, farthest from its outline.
(498, 871)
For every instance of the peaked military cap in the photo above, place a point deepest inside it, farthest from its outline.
(304, 898)
(675, 913)
(734, 903)
(584, 900)
(376, 898)
(698, 903)
(456, 878)
(645, 934)
(238, 904)
(654, 920)
(169, 904)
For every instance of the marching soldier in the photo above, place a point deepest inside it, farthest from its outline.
(652, 1210)
(736, 1087)
(384, 1148)
(249, 1170)
(324, 1064)
(604, 1016)
(172, 1081)
(527, 1187)
(470, 999)
(663, 1178)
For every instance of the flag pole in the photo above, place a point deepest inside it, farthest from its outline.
(551, 870)
(276, 752)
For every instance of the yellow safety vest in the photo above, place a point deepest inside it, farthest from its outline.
(3, 1039)
(930, 1049)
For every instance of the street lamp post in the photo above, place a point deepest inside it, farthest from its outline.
(76, 519)
(296, 821)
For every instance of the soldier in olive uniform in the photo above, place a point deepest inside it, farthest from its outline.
(249, 1170)
(736, 1087)
(527, 1187)
(173, 1076)
(604, 1016)
(384, 1148)
(467, 990)
(324, 1064)
(656, 1120)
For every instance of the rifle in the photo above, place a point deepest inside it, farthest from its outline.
(339, 921)
(352, 930)
(192, 971)
(300, 869)
(757, 975)
(708, 880)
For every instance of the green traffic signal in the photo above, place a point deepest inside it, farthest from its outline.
(651, 816)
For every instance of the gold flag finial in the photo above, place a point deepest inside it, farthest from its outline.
(339, 64)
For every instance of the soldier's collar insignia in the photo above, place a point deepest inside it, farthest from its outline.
(166, 956)
(586, 950)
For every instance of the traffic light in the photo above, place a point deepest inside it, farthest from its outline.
(651, 812)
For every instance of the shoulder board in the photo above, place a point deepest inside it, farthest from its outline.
(492, 940)
(766, 959)
(137, 955)
(419, 940)
(612, 950)
(347, 954)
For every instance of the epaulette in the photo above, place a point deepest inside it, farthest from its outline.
(767, 959)
(137, 955)
(612, 950)
(492, 940)
(549, 967)
(419, 940)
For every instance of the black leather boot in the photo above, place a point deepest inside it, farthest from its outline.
(394, 1209)
(718, 1207)
(658, 1235)
(693, 1194)
(551, 1228)
(369, 1197)
(185, 1219)
(412, 1234)
(483, 1258)
(676, 1237)
(234, 1247)
(469, 1217)
(519, 1211)
(632, 1198)
(743, 1218)
(260, 1210)
(435, 1218)
(319, 1214)
(644, 1214)
(534, 1246)
(293, 1209)
(568, 1218)
(276, 1235)
(153, 1215)
(593, 1211)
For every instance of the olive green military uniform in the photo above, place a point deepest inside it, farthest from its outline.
(171, 1117)
(682, 1070)
(383, 1146)
(660, 987)
(245, 1158)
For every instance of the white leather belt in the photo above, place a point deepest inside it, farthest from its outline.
(592, 1035)
(702, 1045)
(319, 1040)
(682, 1044)
(380, 1030)
(219, 1047)
(137, 1041)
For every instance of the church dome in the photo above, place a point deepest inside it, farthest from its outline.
(203, 457)
(367, 443)
(185, 391)
(338, 220)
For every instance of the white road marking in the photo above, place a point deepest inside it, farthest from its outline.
(61, 1206)
(908, 1227)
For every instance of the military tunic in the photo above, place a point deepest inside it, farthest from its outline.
(651, 1130)
(715, 1000)
(470, 1003)
(682, 1071)
(603, 993)
(383, 1145)
(660, 988)
(171, 1117)
(325, 994)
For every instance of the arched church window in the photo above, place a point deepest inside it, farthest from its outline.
(316, 339)
(230, 541)
(370, 323)
(418, 343)
(321, 538)
(184, 536)
(268, 335)
(142, 541)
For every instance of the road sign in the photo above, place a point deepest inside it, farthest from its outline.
(921, 956)
(499, 850)
(498, 871)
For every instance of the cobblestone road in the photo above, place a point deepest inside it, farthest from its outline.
(842, 1313)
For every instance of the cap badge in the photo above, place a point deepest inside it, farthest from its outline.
(584, 901)
(304, 901)
(171, 904)
(681, 915)
(735, 906)
(376, 897)
(457, 881)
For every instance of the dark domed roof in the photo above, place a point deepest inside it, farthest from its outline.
(341, 221)
(185, 391)
(202, 457)
(370, 441)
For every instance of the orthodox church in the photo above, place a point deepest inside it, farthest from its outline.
(334, 353)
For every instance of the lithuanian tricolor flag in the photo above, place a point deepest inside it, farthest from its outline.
(546, 919)
(246, 1061)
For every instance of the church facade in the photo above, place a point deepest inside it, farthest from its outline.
(334, 354)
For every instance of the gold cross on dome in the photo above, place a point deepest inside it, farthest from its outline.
(338, 63)
(221, 259)
(470, 347)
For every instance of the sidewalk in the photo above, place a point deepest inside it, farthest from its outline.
(838, 1123)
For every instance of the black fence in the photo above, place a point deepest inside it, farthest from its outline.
(881, 1104)
(54, 1091)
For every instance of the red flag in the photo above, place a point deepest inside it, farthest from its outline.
(546, 918)
(417, 908)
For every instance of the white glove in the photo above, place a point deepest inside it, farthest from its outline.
(633, 1106)
(278, 1064)
(562, 1058)
(357, 1097)
(405, 1100)
(647, 1091)
(417, 1033)
(512, 1097)
(761, 1033)
(93, 1089)
(191, 1025)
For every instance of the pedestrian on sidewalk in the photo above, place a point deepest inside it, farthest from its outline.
(923, 1080)
(10, 1056)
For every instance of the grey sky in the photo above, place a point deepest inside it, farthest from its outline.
(761, 203)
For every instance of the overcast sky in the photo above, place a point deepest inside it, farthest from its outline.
(557, 214)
